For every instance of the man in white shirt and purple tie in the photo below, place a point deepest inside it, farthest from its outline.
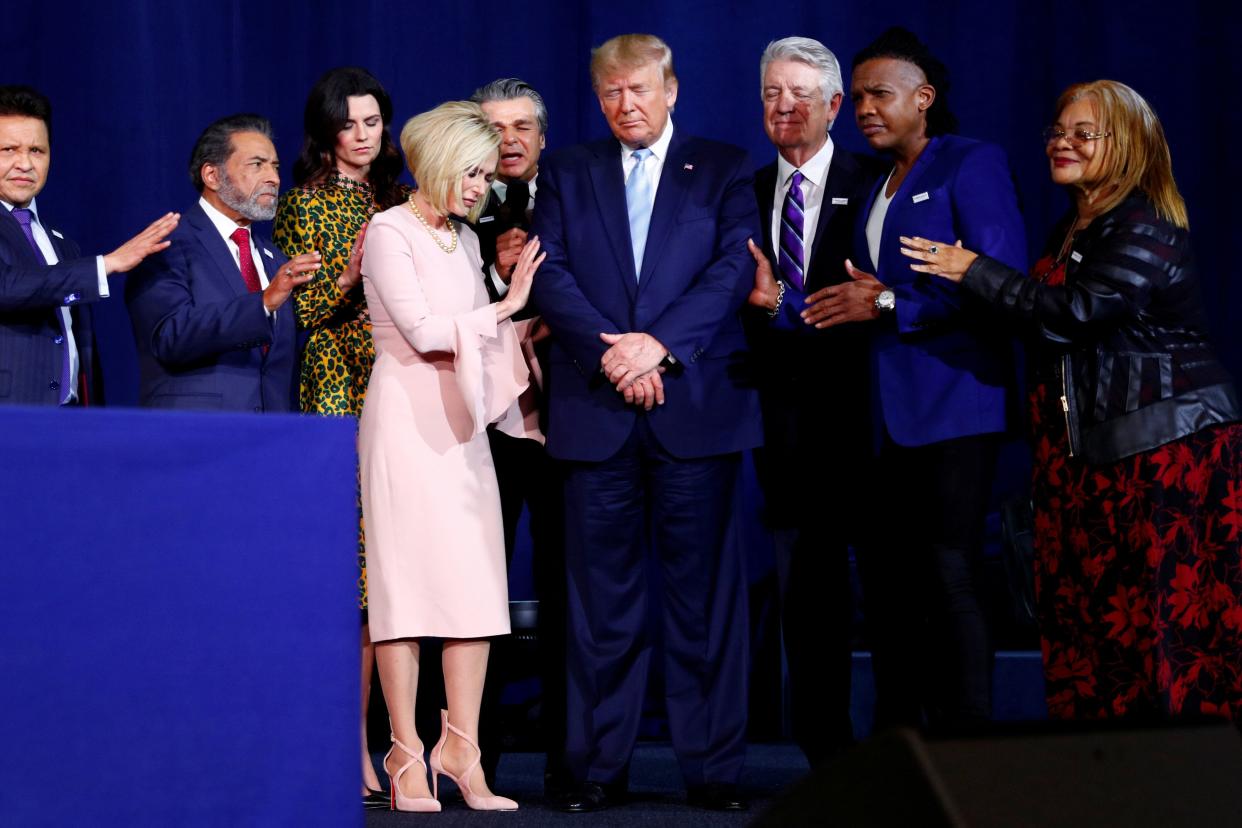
(813, 384)
(47, 351)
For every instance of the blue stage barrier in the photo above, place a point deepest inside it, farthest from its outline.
(178, 619)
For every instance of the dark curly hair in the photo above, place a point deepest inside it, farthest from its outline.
(326, 113)
(28, 102)
(902, 44)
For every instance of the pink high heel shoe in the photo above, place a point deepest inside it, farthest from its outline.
(473, 800)
(398, 801)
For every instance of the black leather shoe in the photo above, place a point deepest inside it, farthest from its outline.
(716, 796)
(374, 800)
(588, 797)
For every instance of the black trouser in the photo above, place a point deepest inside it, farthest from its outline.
(931, 652)
(813, 472)
(527, 476)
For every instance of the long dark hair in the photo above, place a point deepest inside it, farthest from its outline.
(327, 111)
(902, 44)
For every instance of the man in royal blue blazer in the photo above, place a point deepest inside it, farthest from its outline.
(646, 270)
(943, 381)
(211, 317)
(47, 348)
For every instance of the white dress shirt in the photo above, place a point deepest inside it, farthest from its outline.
(226, 227)
(814, 182)
(653, 168)
(49, 254)
(875, 221)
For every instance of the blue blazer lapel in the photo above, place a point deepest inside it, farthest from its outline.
(674, 184)
(12, 231)
(217, 250)
(765, 193)
(839, 171)
(608, 179)
(911, 185)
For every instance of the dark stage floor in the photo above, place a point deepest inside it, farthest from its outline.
(655, 787)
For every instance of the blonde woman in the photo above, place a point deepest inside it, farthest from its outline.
(1134, 421)
(447, 364)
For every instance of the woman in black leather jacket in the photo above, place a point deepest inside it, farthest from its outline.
(1138, 449)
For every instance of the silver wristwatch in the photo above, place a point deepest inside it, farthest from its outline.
(885, 301)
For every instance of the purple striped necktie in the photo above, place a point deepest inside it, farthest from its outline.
(24, 218)
(792, 258)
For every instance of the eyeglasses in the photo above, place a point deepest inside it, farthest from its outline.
(1076, 137)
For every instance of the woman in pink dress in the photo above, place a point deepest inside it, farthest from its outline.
(447, 364)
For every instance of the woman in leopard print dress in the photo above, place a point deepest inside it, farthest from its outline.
(346, 173)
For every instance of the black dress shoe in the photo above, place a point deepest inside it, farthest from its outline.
(373, 800)
(716, 796)
(588, 797)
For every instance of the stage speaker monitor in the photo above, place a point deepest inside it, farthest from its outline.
(1129, 777)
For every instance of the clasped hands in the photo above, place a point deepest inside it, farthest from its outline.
(632, 364)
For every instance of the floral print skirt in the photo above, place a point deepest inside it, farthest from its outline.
(1138, 573)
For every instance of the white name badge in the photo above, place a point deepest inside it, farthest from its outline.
(486, 219)
(920, 197)
(268, 253)
(836, 200)
(1076, 256)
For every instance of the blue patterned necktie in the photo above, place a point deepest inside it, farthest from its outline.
(792, 258)
(638, 204)
(24, 218)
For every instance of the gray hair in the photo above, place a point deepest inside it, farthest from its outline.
(215, 145)
(510, 89)
(812, 53)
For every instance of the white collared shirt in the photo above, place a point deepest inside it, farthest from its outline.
(49, 254)
(653, 168)
(226, 227)
(502, 190)
(814, 182)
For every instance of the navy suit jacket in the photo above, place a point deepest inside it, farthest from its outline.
(940, 369)
(200, 331)
(31, 345)
(696, 275)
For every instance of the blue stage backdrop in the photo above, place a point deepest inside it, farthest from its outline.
(133, 82)
(178, 625)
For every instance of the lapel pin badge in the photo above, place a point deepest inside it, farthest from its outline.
(57, 234)
(688, 167)
(920, 197)
(268, 253)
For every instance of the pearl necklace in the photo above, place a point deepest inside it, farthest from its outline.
(447, 248)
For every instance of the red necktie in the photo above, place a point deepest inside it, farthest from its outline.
(250, 274)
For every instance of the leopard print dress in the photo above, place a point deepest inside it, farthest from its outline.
(336, 363)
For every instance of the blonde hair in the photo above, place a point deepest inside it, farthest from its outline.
(444, 143)
(1136, 155)
(630, 51)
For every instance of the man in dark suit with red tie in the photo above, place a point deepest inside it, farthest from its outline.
(812, 383)
(211, 317)
(646, 272)
(47, 349)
